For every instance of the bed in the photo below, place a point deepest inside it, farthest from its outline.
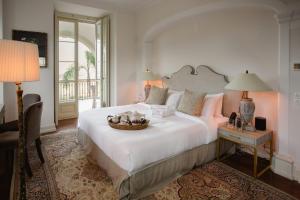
(141, 162)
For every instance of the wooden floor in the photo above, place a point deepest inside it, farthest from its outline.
(66, 124)
(5, 176)
(241, 161)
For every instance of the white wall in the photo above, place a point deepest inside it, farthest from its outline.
(32, 15)
(230, 41)
(294, 119)
(1, 36)
(124, 46)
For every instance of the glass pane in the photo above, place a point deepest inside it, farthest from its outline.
(66, 71)
(67, 91)
(67, 51)
(98, 49)
(66, 60)
(66, 31)
(66, 82)
(87, 83)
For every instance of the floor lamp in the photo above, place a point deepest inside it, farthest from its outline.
(19, 62)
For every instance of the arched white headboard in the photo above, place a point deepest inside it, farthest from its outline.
(203, 79)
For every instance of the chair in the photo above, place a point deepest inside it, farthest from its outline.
(32, 124)
(29, 99)
(32, 120)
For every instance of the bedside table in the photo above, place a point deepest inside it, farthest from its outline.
(250, 139)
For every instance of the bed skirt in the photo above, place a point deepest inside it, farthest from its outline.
(152, 177)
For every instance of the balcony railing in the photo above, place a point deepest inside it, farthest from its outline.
(87, 89)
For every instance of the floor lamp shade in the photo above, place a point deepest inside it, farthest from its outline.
(19, 61)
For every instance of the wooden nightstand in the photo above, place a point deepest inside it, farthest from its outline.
(251, 139)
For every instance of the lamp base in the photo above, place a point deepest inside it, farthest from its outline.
(247, 108)
(249, 128)
(22, 143)
(147, 89)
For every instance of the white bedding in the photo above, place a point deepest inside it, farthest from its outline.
(165, 137)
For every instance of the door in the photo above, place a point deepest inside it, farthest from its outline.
(88, 76)
(83, 66)
(67, 69)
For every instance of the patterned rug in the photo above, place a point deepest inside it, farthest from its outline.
(67, 174)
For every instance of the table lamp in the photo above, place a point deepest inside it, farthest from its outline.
(19, 62)
(247, 82)
(148, 76)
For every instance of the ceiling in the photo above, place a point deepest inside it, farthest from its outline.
(68, 7)
(125, 5)
(132, 5)
(135, 5)
(103, 6)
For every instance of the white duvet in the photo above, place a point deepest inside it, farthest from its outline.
(165, 137)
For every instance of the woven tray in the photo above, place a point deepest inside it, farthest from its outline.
(129, 127)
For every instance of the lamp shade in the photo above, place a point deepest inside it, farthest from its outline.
(19, 61)
(148, 76)
(248, 82)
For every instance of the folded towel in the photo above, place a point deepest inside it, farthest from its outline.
(162, 110)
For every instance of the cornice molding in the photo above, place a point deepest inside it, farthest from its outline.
(288, 16)
(277, 6)
(296, 15)
(283, 17)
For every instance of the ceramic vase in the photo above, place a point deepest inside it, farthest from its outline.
(247, 108)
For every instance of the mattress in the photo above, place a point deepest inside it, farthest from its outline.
(164, 138)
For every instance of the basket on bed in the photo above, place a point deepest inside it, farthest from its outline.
(129, 127)
(128, 121)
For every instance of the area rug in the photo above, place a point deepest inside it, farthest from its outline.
(67, 174)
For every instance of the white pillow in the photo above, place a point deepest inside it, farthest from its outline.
(218, 112)
(173, 98)
(212, 105)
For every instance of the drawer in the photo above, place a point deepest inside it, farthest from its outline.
(237, 138)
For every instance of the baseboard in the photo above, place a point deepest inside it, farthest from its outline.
(48, 129)
(283, 166)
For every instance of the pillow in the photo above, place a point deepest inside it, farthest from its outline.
(218, 112)
(191, 103)
(157, 96)
(173, 98)
(212, 105)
